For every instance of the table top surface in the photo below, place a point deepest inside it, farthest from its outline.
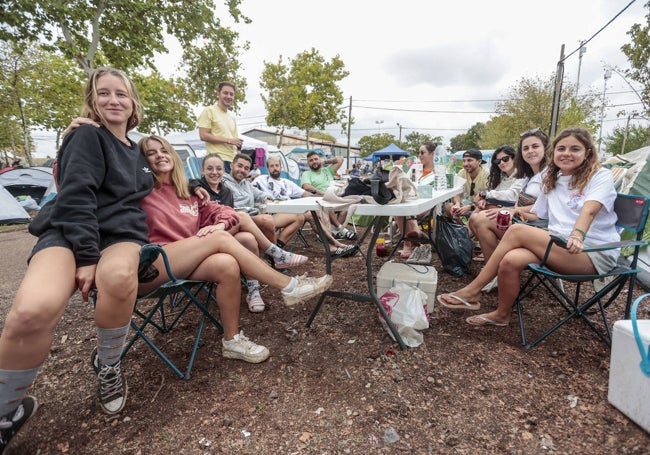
(407, 208)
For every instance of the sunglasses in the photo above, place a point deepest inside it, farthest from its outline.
(471, 188)
(422, 152)
(530, 132)
(503, 159)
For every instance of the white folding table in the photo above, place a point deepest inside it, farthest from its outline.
(379, 213)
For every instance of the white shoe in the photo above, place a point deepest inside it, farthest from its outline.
(425, 255)
(241, 348)
(306, 288)
(414, 258)
(492, 285)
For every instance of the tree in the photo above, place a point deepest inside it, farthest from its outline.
(303, 93)
(638, 54)
(528, 105)
(166, 108)
(322, 135)
(634, 137)
(126, 33)
(468, 140)
(412, 141)
(374, 142)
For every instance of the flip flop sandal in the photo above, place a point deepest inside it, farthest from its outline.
(255, 303)
(349, 235)
(461, 305)
(339, 252)
(294, 260)
(482, 319)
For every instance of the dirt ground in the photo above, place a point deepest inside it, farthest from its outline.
(339, 387)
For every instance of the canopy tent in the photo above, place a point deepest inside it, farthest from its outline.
(392, 151)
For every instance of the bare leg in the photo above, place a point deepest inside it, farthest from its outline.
(266, 224)
(289, 223)
(189, 252)
(246, 224)
(39, 304)
(520, 246)
(483, 225)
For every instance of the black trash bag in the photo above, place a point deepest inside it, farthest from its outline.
(380, 192)
(357, 187)
(454, 246)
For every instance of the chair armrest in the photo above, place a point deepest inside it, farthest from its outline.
(150, 253)
(561, 241)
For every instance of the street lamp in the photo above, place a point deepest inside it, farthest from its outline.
(400, 134)
(379, 122)
(608, 74)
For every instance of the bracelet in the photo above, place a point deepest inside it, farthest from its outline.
(581, 232)
(576, 238)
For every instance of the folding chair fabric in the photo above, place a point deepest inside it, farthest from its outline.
(632, 213)
(172, 300)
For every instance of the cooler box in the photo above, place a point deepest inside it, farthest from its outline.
(420, 276)
(629, 387)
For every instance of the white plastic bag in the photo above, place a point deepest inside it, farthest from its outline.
(405, 306)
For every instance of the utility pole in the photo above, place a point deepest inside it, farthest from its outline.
(627, 126)
(347, 158)
(557, 94)
(607, 75)
(400, 134)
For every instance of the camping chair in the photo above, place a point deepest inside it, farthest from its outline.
(171, 300)
(632, 212)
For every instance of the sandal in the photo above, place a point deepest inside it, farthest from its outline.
(343, 252)
(255, 303)
(292, 260)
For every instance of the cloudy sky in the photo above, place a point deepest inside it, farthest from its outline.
(436, 67)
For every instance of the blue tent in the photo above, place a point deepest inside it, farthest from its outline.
(392, 151)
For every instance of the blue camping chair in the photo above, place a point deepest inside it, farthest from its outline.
(170, 302)
(632, 212)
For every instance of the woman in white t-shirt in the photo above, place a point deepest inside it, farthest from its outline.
(577, 198)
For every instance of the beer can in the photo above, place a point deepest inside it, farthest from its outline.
(503, 220)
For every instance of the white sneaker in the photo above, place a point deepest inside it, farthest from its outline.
(492, 285)
(241, 348)
(414, 258)
(306, 288)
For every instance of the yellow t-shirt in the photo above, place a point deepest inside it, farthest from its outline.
(220, 123)
(480, 182)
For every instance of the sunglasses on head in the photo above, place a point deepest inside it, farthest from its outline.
(503, 159)
(530, 132)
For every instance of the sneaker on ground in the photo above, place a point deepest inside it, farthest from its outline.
(12, 422)
(424, 257)
(241, 348)
(306, 288)
(112, 389)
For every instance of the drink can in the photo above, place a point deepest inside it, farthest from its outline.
(503, 220)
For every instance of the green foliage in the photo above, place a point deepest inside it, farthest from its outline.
(303, 93)
(412, 141)
(528, 105)
(372, 143)
(468, 140)
(637, 137)
(322, 135)
(166, 107)
(638, 54)
(126, 33)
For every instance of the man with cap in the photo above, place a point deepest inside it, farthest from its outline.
(476, 180)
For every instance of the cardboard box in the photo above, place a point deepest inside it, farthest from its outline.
(420, 276)
(629, 387)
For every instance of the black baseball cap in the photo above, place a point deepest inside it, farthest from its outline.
(476, 154)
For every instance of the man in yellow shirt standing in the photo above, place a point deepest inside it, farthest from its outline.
(218, 127)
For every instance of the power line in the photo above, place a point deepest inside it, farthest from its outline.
(583, 43)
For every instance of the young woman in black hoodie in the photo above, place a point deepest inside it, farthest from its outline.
(89, 236)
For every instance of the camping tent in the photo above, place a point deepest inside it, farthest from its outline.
(30, 181)
(11, 212)
(392, 151)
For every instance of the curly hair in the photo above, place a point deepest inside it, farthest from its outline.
(523, 168)
(178, 177)
(496, 175)
(584, 172)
